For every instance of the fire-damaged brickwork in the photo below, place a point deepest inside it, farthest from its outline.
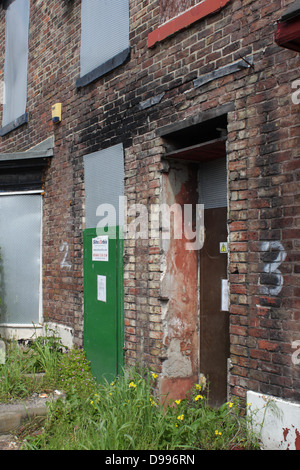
(223, 75)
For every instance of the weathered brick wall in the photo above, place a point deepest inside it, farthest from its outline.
(52, 68)
(263, 170)
(263, 151)
(263, 146)
(171, 8)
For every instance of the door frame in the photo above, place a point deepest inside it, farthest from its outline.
(210, 151)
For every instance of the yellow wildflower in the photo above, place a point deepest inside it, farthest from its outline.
(132, 385)
(180, 417)
(154, 375)
(198, 397)
(198, 387)
(218, 433)
(177, 402)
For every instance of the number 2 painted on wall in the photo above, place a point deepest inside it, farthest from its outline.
(275, 259)
(64, 264)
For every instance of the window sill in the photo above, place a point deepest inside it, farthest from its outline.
(180, 22)
(103, 69)
(14, 124)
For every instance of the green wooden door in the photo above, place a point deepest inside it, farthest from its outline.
(103, 303)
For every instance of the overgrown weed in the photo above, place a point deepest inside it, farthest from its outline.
(29, 368)
(125, 414)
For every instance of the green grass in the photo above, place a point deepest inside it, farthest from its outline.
(126, 415)
(20, 374)
(123, 415)
(14, 383)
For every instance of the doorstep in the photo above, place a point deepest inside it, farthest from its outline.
(13, 415)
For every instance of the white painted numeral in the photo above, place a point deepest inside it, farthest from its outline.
(65, 264)
(272, 267)
(296, 354)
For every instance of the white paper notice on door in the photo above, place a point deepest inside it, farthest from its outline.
(101, 288)
(224, 296)
(100, 248)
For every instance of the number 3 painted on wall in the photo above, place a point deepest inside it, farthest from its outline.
(275, 254)
(296, 354)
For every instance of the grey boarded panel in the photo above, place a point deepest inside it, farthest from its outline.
(213, 184)
(104, 32)
(20, 268)
(104, 184)
(16, 60)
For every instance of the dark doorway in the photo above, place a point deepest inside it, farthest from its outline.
(214, 318)
(205, 144)
(214, 322)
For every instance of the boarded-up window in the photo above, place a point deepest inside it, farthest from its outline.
(16, 60)
(20, 264)
(213, 184)
(104, 32)
(104, 184)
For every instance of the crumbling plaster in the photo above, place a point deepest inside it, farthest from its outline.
(179, 287)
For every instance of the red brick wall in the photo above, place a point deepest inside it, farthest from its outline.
(171, 8)
(263, 170)
(52, 69)
(263, 151)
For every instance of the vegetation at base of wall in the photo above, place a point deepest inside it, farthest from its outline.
(29, 369)
(74, 373)
(43, 364)
(14, 380)
(125, 414)
(1, 280)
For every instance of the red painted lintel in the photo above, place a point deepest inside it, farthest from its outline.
(196, 13)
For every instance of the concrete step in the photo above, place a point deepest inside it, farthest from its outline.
(13, 415)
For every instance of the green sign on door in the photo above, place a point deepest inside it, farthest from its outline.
(103, 302)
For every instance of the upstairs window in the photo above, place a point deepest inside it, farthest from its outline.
(104, 37)
(16, 64)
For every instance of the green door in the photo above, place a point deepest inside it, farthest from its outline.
(103, 303)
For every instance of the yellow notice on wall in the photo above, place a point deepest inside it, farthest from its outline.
(223, 247)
